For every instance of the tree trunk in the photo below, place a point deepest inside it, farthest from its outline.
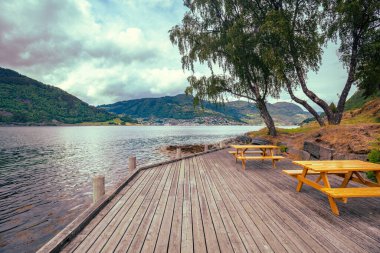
(301, 78)
(332, 118)
(329, 113)
(266, 116)
(304, 104)
(350, 80)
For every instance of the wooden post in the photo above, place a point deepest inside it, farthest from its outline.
(206, 148)
(98, 188)
(132, 163)
(178, 155)
(221, 145)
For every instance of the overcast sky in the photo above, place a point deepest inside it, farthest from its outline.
(112, 50)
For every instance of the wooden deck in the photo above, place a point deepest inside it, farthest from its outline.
(208, 204)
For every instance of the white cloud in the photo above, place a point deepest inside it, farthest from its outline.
(106, 51)
(73, 45)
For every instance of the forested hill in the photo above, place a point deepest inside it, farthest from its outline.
(24, 100)
(181, 107)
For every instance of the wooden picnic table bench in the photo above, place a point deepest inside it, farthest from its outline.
(242, 150)
(349, 170)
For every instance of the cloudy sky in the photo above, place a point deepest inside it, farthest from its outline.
(104, 51)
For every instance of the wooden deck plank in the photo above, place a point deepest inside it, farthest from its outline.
(232, 232)
(208, 225)
(105, 218)
(261, 224)
(187, 228)
(130, 188)
(273, 230)
(176, 229)
(162, 243)
(146, 210)
(284, 225)
(148, 229)
(208, 204)
(259, 239)
(100, 240)
(233, 209)
(197, 222)
(220, 230)
(150, 241)
(116, 234)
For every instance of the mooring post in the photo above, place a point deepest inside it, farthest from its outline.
(132, 163)
(98, 184)
(221, 145)
(206, 148)
(178, 154)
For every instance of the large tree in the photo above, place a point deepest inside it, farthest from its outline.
(301, 28)
(224, 36)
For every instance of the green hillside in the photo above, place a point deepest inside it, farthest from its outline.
(177, 107)
(24, 100)
(181, 107)
(357, 100)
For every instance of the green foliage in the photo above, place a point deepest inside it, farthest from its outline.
(333, 107)
(226, 35)
(358, 99)
(283, 149)
(24, 100)
(374, 157)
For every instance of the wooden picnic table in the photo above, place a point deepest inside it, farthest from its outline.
(349, 170)
(262, 150)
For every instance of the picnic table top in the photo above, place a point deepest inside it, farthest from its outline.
(339, 165)
(253, 146)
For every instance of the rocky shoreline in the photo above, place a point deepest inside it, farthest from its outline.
(322, 144)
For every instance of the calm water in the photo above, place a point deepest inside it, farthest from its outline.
(45, 172)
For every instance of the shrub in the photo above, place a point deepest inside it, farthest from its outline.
(283, 149)
(373, 157)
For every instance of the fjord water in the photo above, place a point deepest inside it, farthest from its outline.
(45, 172)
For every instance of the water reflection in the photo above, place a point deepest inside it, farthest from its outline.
(45, 172)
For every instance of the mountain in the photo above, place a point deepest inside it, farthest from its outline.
(27, 101)
(181, 107)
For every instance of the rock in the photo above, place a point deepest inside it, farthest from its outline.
(299, 154)
(243, 139)
(305, 155)
(325, 153)
(311, 148)
(260, 141)
(361, 157)
(358, 147)
(340, 157)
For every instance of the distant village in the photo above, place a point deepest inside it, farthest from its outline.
(218, 121)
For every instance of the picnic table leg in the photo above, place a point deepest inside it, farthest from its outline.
(377, 175)
(243, 161)
(300, 183)
(347, 179)
(334, 207)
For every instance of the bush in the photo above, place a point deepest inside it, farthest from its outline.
(373, 157)
(283, 149)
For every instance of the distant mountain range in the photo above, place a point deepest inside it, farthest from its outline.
(181, 108)
(27, 101)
